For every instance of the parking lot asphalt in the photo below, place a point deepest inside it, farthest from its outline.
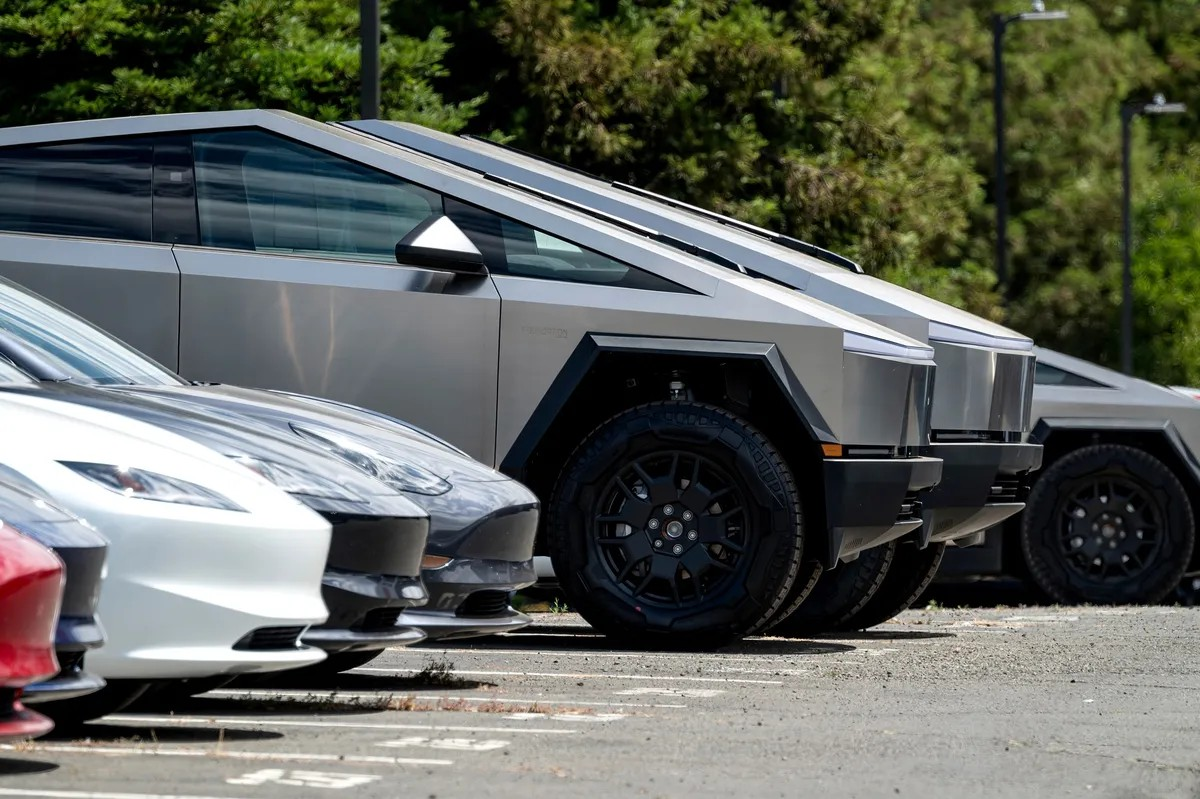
(1020, 702)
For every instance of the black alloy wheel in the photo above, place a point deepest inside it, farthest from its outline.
(1107, 524)
(675, 523)
(671, 527)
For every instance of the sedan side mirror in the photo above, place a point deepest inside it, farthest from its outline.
(438, 243)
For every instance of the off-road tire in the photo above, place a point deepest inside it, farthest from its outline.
(1043, 526)
(911, 571)
(721, 604)
(838, 594)
(806, 580)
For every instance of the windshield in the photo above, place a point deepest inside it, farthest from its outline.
(84, 352)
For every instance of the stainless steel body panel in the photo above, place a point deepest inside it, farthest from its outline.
(131, 290)
(386, 337)
(985, 371)
(543, 322)
(982, 388)
(976, 397)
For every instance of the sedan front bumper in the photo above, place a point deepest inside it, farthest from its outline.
(469, 597)
(871, 501)
(371, 576)
(982, 485)
(73, 637)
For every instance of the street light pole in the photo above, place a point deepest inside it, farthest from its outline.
(1127, 115)
(1128, 112)
(1000, 23)
(368, 24)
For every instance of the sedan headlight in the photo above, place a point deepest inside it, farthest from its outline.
(142, 484)
(397, 474)
(293, 480)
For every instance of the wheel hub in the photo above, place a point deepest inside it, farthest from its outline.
(671, 527)
(1111, 529)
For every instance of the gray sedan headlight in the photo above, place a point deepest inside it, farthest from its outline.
(141, 484)
(397, 474)
(293, 480)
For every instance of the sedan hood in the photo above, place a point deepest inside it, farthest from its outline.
(237, 436)
(23, 505)
(281, 411)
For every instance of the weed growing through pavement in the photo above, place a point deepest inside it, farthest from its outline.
(439, 674)
(558, 606)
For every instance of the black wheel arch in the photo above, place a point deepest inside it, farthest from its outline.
(607, 374)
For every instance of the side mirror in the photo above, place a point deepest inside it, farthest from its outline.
(438, 243)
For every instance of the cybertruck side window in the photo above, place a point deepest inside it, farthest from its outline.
(514, 248)
(97, 189)
(261, 192)
(1046, 375)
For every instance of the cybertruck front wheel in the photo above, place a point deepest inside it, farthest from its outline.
(675, 524)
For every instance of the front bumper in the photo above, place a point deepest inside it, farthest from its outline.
(73, 637)
(982, 485)
(469, 597)
(444, 625)
(871, 501)
(371, 576)
(18, 722)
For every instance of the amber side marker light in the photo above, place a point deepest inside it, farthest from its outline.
(434, 561)
(832, 450)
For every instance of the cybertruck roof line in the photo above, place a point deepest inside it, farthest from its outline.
(692, 272)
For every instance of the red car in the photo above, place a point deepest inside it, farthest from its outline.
(31, 584)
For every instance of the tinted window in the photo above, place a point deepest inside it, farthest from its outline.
(256, 191)
(514, 248)
(94, 189)
(1045, 375)
(81, 350)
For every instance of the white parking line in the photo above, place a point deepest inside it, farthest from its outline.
(48, 794)
(579, 676)
(204, 721)
(691, 657)
(165, 750)
(453, 744)
(261, 693)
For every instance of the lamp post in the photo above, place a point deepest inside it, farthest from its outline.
(1128, 112)
(1000, 23)
(368, 26)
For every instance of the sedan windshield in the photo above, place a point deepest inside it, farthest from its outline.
(82, 351)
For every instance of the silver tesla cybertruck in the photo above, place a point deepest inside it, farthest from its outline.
(700, 437)
(982, 396)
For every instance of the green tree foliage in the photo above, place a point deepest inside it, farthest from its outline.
(861, 125)
(94, 58)
(790, 117)
(1166, 268)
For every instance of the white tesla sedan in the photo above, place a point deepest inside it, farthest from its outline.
(212, 570)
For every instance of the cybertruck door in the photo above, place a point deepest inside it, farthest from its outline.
(76, 227)
(294, 285)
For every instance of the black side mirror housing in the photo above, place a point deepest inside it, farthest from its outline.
(438, 243)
